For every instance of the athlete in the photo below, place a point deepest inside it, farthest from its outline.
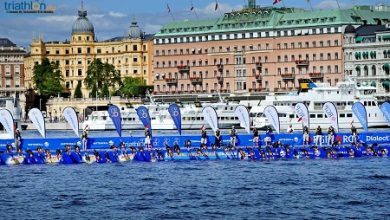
(354, 134)
(84, 138)
(218, 138)
(233, 138)
(331, 134)
(18, 140)
(318, 137)
(305, 135)
(148, 139)
(255, 137)
(203, 140)
(290, 130)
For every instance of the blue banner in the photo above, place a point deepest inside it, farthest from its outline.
(174, 111)
(360, 112)
(115, 115)
(385, 108)
(144, 117)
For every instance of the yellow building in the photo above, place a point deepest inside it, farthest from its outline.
(129, 54)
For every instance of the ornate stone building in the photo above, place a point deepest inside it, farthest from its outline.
(129, 54)
(255, 49)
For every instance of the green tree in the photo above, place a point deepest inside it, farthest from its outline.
(47, 78)
(101, 75)
(132, 86)
(77, 92)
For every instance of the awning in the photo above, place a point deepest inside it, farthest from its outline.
(359, 39)
(386, 66)
(356, 55)
(386, 37)
(386, 84)
(373, 83)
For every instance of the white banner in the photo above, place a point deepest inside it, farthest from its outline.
(243, 115)
(303, 114)
(7, 121)
(71, 117)
(272, 116)
(36, 117)
(210, 116)
(331, 113)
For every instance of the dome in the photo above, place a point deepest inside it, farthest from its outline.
(82, 25)
(350, 29)
(134, 30)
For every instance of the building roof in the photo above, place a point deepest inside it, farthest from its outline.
(274, 18)
(82, 25)
(5, 42)
(370, 30)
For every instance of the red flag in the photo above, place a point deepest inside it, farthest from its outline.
(203, 127)
(276, 1)
(216, 5)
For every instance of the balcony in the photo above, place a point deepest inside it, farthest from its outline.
(259, 66)
(183, 69)
(288, 76)
(256, 90)
(220, 79)
(302, 63)
(220, 67)
(259, 78)
(196, 80)
(316, 75)
(171, 81)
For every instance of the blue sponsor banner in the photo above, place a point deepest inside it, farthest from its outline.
(360, 112)
(385, 108)
(244, 140)
(115, 114)
(174, 111)
(144, 117)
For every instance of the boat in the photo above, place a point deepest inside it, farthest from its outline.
(343, 96)
(191, 113)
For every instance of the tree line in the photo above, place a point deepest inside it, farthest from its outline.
(102, 80)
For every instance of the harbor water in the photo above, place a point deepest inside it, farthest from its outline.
(296, 189)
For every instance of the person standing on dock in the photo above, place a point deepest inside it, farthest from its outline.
(148, 139)
(290, 130)
(84, 138)
(354, 134)
(255, 137)
(306, 135)
(218, 138)
(18, 140)
(318, 137)
(203, 139)
(330, 135)
(233, 138)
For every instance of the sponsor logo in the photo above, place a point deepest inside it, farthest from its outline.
(21, 7)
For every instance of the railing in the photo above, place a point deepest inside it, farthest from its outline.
(288, 76)
(171, 81)
(259, 78)
(302, 62)
(258, 65)
(220, 67)
(196, 80)
(316, 75)
(183, 68)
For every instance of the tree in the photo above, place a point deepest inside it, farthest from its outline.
(77, 92)
(47, 78)
(132, 86)
(101, 75)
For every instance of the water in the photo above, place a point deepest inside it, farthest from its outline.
(296, 189)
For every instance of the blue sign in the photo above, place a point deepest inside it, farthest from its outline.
(174, 111)
(360, 112)
(144, 117)
(385, 108)
(115, 115)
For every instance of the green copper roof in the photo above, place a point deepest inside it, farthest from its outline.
(274, 18)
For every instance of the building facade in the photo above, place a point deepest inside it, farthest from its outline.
(12, 72)
(255, 49)
(129, 54)
(367, 56)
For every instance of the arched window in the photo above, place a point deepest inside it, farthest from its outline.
(373, 70)
(365, 71)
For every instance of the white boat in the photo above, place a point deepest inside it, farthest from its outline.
(343, 95)
(192, 117)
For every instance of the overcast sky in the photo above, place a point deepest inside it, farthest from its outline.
(111, 18)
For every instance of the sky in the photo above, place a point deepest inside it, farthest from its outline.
(111, 18)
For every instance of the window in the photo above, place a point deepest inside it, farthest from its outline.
(135, 47)
(79, 50)
(79, 72)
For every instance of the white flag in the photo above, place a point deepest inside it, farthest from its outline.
(7, 121)
(303, 114)
(35, 115)
(210, 116)
(331, 113)
(272, 116)
(243, 115)
(71, 117)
